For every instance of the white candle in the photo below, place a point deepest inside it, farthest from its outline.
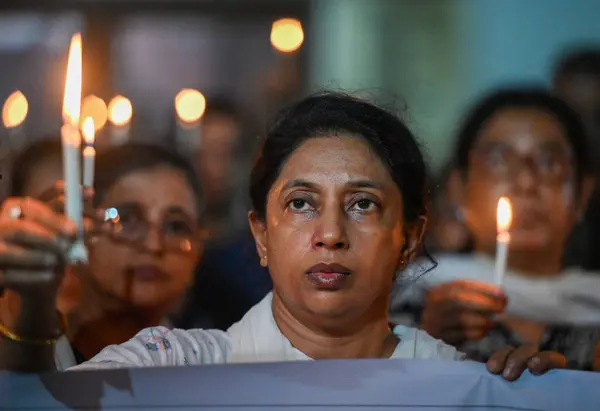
(503, 218)
(190, 105)
(89, 153)
(71, 143)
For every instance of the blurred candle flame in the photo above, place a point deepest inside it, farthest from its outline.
(72, 99)
(120, 111)
(88, 130)
(190, 105)
(15, 110)
(504, 215)
(94, 107)
(287, 35)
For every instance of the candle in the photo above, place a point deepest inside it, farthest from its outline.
(89, 152)
(189, 106)
(71, 144)
(503, 218)
(120, 112)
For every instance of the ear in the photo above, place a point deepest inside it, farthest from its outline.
(259, 232)
(413, 237)
(587, 188)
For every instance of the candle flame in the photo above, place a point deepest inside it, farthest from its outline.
(94, 107)
(190, 105)
(287, 35)
(15, 110)
(88, 130)
(504, 215)
(120, 111)
(72, 100)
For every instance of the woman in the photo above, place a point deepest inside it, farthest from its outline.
(338, 208)
(529, 146)
(139, 272)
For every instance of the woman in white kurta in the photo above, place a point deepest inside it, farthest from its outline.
(339, 201)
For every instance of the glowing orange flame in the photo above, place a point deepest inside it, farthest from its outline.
(88, 130)
(72, 100)
(287, 35)
(120, 111)
(190, 105)
(504, 215)
(15, 110)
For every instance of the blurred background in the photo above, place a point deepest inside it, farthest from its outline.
(431, 57)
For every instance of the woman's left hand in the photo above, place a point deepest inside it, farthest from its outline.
(511, 362)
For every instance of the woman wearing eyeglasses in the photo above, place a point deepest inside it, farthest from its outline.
(339, 207)
(140, 267)
(529, 146)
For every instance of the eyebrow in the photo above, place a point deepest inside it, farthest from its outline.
(354, 183)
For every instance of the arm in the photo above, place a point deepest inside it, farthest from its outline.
(34, 319)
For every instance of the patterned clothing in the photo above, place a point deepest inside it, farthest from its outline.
(256, 338)
(559, 303)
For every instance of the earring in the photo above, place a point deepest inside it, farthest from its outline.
(263, 261)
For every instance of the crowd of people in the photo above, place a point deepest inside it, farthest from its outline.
(329, 249)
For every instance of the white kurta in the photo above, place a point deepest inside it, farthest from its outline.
(255, 338)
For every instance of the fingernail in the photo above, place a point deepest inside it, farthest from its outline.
(507, 372)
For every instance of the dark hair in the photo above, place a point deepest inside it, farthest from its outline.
(221, 105)
(534, 98)
(578, 62)
(333, 114)
(25, 161)
(116, 162)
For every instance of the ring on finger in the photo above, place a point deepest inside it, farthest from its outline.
(16, 212)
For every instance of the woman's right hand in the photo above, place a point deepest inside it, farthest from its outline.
(34, 240)
(462, 310)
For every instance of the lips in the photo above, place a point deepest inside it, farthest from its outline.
(328, 276)
(148, 273)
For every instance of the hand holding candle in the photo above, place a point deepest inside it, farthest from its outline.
(504, 218)
(71, 142)
(89, 152)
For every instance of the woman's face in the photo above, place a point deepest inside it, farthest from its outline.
(334, 234)
(522, 153)
(149, 262)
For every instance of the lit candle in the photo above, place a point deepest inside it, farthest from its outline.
(14, 113)
(189, 106)
(120, 112)
(89, 152)
(71, 143)
(503, 218)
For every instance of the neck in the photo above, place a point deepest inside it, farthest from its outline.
(372, 339)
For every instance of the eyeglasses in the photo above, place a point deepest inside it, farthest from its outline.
(129, 224)
(549, 165)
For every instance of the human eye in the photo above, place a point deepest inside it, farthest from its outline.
(300, 205)
(364, 205)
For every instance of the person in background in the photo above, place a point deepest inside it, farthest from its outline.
(576, 79)
(140, 270)
(339, 207)
(229, 280)
(530, 146)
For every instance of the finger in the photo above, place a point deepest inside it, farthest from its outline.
(26, 278)
(497, 362)
(544, 361)
(517, 361)
(479, 286)
(39, 212)
(16, 257)
(476, 300)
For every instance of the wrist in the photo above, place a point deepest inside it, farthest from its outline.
(30, 315)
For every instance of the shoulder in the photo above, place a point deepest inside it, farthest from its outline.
(417, 344)
(159, 346)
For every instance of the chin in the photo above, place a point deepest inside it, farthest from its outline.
(330, 303)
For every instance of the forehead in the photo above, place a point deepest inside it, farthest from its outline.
(158, 188)
(336, 160)
(524, 128)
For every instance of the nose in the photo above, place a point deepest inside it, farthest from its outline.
(527, 178)
(153, 241)
(331, 232)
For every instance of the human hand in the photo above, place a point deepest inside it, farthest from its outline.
(462, 310)
(511, 362)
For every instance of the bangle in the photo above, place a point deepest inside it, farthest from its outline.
(33, 341)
